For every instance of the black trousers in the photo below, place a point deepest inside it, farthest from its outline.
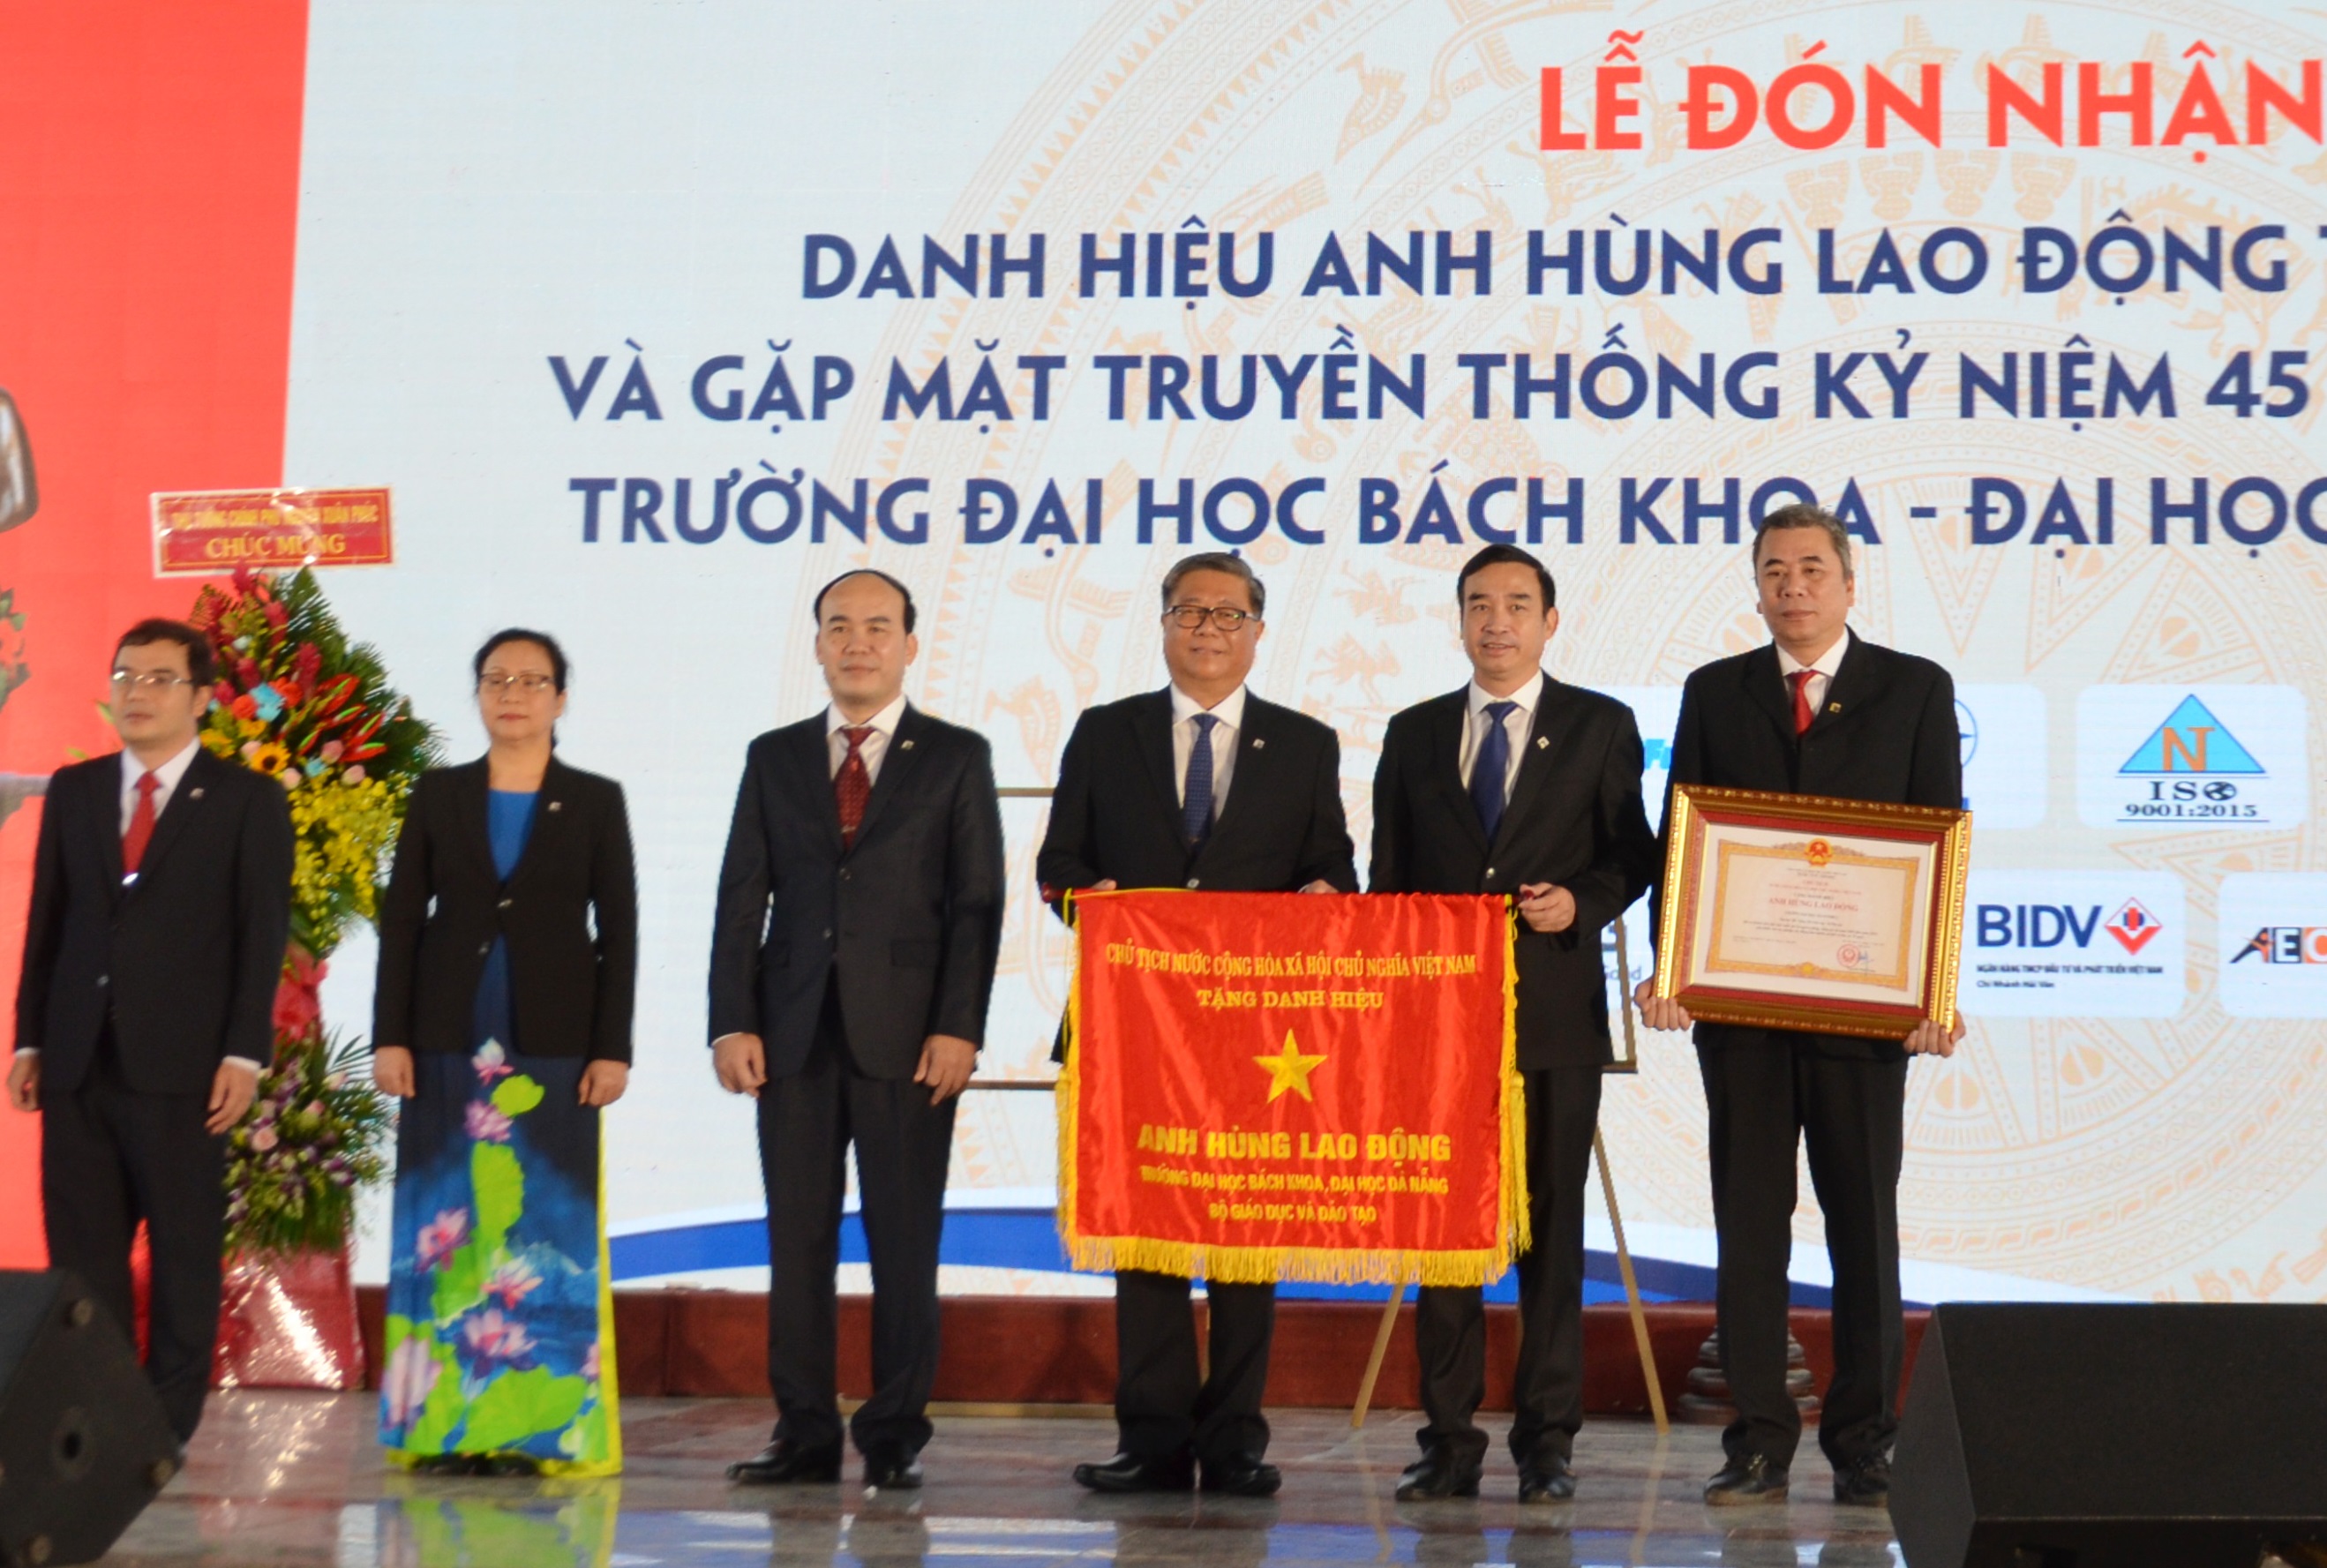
(1766, 1091)
(111, 1156)
(904, 1145)
(1162, 1405)
(1450, 1321)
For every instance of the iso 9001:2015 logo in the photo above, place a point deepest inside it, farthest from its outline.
(2191, 758)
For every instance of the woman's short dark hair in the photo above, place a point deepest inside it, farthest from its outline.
(1508, 555)
(1218, 561)
(541, 639)
(201, 664)
(816, 611)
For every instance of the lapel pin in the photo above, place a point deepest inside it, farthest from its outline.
(1833, 707)
(554, 804)
(1258, 742)
(904, 745)
(195, 795)
(1542, 743)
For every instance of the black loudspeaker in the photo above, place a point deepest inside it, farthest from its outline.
(2113, 1437)
(84, 1445)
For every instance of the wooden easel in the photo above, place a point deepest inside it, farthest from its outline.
(1628, 1063)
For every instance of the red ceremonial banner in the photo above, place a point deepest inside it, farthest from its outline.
(1262, 1087)
(208, 532)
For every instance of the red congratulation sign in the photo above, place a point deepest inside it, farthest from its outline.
(204, 533)
(1262, 1087)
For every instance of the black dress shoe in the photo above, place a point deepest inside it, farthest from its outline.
(1746, 1478)
(891, 1467)
(1545, 1479)
(1130, 1473)
(1242, 1476)
(1867, 1482)
(785, 1463)
(1439, 1472)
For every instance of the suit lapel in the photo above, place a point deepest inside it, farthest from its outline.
(1765, 689)
(811, 763)
(1857, 681)
(1447, 717)
(1253, 763)
(186, 802)
(475, 778)
(549, 809)
(897, 761)
(1151, 728)
(105, 821)
(1547, 737)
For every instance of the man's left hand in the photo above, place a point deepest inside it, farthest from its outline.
(232, 1088)
(1547, 907)
(1929, 1039)
(603, 1083)
(947, 1062)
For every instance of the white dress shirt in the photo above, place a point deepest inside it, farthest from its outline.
(1230, 712)
(1517, 725)
(166, 778)
(1822, 674)
(874, 747)
(166, 781)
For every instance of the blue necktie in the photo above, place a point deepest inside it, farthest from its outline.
(1196, 807)
(1487, 769)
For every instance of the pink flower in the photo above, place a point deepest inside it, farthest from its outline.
(486, 1124)
(512, 1282)
(263, 1139)
(354, 775)
(494, 1338)
(331, 751)
(590, 1364)
(490, 1062)
(442, 1238)
(405, 1386)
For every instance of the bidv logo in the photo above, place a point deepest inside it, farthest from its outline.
(2157, 757)
(2041, 926)
(2274, 954)
(2073, 942)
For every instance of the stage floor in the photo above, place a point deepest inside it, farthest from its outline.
(295, 1478)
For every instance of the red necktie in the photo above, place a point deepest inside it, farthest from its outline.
(852, 785)
(141, 825)
(1803, 712)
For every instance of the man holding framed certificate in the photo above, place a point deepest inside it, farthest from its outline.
(1812, 944)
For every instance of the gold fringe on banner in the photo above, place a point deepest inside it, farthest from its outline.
(1325, 1266)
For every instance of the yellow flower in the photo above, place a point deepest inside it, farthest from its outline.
(251, 727)
(271, 758)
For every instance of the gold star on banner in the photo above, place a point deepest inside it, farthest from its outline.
(1289, 1069)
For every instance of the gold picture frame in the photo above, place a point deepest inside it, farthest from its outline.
(1869, 937)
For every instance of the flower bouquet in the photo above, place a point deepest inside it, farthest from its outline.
(297, 702)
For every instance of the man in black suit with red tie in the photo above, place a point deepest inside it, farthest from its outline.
(1820, 711)
(160, 904)
(1521, 784)
(1201, 785)
(860, 917)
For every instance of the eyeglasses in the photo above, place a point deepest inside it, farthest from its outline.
(152, 680)
(531, 684)
(1188, 617)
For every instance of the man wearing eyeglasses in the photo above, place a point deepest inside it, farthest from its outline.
(1203, 786)
(161, 902)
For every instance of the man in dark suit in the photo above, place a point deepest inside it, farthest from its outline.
(160, 904)
(1817, 712)
(1201, 785)
(860, 916)
(1518, 784)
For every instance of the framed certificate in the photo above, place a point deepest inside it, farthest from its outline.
(1796, 911)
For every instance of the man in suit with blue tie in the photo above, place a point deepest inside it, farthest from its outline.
(1521, 784)
(1202, 786)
